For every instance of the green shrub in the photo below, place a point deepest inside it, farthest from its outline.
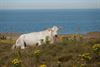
(16, 62)
(37, 52)
(96, 48)
(86, 56)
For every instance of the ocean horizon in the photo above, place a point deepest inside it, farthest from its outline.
(70, 20)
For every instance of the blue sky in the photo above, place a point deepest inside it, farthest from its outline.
(49, 4)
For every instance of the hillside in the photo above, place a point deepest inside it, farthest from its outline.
(71, 50)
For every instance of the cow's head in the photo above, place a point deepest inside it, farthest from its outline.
(54, 31)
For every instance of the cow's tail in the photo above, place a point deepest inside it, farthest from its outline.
(14, 45)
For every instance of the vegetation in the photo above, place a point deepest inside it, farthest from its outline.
(16, 62)
(80, 52)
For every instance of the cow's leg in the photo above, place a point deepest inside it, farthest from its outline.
(44, 41)
(22, 47)
(22, 43)
(51, 40)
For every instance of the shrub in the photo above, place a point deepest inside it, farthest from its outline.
(16, 62)
(96, 48)
(82, 65)
(86, 56)
(43, 65)
(37, 52)
(37, 56)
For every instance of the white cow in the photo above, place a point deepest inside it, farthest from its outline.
(36, 38)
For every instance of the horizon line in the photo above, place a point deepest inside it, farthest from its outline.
(42, 8)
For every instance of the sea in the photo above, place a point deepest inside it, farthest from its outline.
(70, 21)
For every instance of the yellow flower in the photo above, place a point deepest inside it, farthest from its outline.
(43, 65)
(16, 61)
(86, 56)
(96, 48)
(37, 52)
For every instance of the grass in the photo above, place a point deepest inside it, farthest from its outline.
(7, 41)
(65, 53)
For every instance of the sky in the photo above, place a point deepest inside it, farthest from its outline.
(49, 4)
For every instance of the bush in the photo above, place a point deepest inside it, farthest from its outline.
(96, 48)
(16, 62)
(86, 56)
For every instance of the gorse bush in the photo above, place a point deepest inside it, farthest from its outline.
(86, 56)
(37, 52)
(16, 62)
(43, 65)
(96, 48)
(82, 65)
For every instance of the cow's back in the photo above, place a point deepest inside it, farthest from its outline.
(32, 38)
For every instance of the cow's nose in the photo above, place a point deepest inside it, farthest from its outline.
(56, 35)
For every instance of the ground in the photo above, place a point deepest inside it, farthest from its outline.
(70, 50)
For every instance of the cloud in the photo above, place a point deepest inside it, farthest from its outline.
(47, 5)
